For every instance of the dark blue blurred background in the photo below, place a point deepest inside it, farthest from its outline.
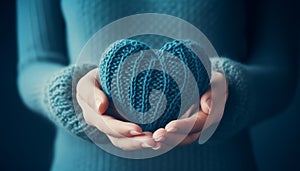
(26, 138)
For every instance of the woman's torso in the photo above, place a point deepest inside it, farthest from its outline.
(222, 21)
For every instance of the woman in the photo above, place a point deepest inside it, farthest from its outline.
(258, 66)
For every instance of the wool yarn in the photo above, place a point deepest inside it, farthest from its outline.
(146, 86)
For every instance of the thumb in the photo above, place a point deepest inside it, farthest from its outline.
(88, 91)
(101, 101)
(205, 102)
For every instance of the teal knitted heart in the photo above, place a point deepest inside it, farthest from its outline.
(132, 75)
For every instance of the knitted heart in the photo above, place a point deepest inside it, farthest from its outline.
(146, 87)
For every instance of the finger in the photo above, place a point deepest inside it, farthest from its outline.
(173, 139)
(134, 143)
(108, 124)
(162, 146)
(94, 101)
(117, 128)
(100, 101)
(159, 135)
(167, 138)
(84, 85)
(205, 102)
(88, 90)
(219, 84)
(192, 124)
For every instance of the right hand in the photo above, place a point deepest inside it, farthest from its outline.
(94, 103)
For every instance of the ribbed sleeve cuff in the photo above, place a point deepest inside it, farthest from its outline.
(60, 99)
(237, 105)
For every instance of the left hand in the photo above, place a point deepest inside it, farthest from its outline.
(185, 131)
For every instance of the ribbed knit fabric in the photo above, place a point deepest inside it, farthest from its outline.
(132, 87)
(59, 98)
(239, 96)
(51, 34)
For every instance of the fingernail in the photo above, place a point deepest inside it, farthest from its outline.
(161, 138)
(172, 129)
(98, 103)
(134, 132)
(209, 105)
(157, 146)
(145, 145)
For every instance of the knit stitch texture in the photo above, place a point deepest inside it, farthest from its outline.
(61, 102)
(51, 35)
(134, 92)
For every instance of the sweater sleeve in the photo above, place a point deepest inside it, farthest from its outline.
(263, 85)
(44, 76)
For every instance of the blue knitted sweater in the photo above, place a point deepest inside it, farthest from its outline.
(51, 34)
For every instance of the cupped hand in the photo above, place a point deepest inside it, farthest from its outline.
(94, 103)
(186, 130)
